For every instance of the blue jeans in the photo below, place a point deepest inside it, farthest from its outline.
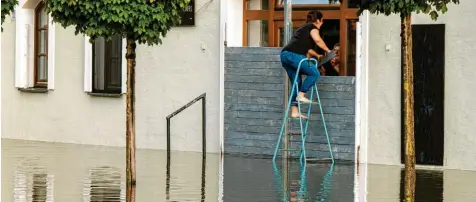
(290, 62)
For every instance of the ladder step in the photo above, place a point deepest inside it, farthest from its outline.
(292, 118)
(294, 133)
(306, 103)
(289, 149)
(318, 159)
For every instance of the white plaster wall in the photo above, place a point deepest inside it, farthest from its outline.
(167, 77)
(234, 23)
(384, 87)
(172, 74)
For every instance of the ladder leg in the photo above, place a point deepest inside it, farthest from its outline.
(303, 142)
(324, 123)
(285, 119)
(308, 119)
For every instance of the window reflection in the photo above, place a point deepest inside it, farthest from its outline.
(105, 184)
(32, 186)
(257, 4)
(257, 33)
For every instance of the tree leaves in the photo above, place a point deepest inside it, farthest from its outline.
(145, 21)
(405, 7)
(7, 7)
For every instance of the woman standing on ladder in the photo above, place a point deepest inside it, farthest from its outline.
(299, 47)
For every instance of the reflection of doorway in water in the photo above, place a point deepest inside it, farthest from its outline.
(428, 185)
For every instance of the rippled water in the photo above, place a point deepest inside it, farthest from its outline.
(46, 172)
(41, 171)
(257, 180)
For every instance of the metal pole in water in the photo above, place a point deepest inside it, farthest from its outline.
(288, 31)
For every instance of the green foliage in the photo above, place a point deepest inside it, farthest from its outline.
(406, 7)
(7, 7)
(144, 21)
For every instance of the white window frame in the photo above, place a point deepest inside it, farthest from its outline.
(88, 66)
(25, 46)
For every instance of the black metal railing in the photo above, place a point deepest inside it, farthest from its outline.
(204, 121)
(204, 144)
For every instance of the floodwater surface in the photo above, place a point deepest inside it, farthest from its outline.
(258, 180)
(46, 172)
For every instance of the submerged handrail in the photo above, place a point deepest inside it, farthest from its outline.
(204, 144)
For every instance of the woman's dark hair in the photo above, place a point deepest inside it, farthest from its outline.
(313, 16)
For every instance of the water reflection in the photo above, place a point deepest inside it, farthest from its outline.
(34, 186)
(296, 188)
(104, 184)
(203, 179)
(428, 185)
(47, 172)
(326, 185)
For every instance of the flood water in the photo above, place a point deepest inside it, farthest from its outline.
(46, 172)
(257, 180)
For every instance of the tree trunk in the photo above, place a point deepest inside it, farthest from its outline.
(408, 108)
(130, 122)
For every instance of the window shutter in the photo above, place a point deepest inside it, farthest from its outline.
(51, 53)
(88, 65)
(21, 50)
(124, 66)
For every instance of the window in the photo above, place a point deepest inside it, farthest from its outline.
(34, 47)
(106, 64)
(41, 46)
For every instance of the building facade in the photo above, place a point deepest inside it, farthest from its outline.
(41, 85)
(370, 52)
(56, 86)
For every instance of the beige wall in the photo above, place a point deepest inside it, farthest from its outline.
(384, 87)
(167, 77)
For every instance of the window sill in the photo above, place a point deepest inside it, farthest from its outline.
(113, 95)
(33, 90)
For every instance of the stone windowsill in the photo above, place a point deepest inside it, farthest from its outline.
(33, 90)
(113, 95)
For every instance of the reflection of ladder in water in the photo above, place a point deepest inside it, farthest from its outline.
(303, 125)
(287, 184)
(292, 190)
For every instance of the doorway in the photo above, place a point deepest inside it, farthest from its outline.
(429, 74)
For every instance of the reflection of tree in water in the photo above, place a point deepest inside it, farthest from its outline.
(105, 185)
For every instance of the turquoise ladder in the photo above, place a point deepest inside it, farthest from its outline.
(302, 126)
